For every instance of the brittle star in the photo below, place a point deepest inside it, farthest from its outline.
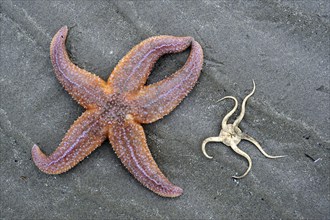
(231, 135)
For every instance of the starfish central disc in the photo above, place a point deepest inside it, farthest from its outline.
(115, 109)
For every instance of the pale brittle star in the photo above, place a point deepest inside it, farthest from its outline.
(231, 135)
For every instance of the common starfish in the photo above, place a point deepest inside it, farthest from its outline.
(117, 108)
(231, 135)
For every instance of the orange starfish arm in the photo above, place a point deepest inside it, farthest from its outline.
(85, 135)
(85, 87)
(132, 71)
(157, 100)
(129, 142)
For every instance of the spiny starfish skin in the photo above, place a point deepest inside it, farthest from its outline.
(116, 109)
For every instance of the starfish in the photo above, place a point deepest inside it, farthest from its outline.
(116, 109)
(231, 135)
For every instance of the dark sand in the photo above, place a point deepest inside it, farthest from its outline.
(282, 45)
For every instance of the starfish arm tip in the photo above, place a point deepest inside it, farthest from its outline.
(40, 159)
(36, 152)
(64, 28)
(34, 146)
(62, 32)
(175, 191)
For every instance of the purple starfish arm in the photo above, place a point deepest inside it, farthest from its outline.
(85, 87)
(157, 100)
(129, 142)
(85, 135)
(132, 71)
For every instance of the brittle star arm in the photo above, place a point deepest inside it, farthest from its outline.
(85, 135)
(210, 139)
(157, 100)
(225, 119)
(85, 87)
(132, 71)
(243, 154)
(129, 142)
(254, 141)
(241, 115)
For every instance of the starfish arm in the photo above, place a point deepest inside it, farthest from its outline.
(207, 140)
(132, 71)
(84, 136)
(243, 154)
(254, 141)
(86, 88)
(157, 100)
(225, 119)
(129, 142)
(241, 115)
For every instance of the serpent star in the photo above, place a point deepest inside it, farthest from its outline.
(231, 135)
